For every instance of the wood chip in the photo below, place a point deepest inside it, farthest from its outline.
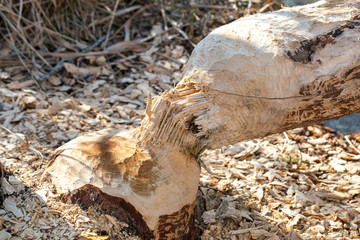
(10, 205)
(4, 235)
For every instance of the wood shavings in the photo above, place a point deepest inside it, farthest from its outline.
(7, 187)
(293, 194)
(4, 235)
(76, 71)
(298, 185)
(10, 205)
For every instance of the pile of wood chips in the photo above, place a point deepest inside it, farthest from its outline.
(301, 184)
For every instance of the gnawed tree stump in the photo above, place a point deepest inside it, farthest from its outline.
(149, 185)
(256, 76)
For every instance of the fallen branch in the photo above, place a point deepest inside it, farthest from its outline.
(60, 65)
(253, 77)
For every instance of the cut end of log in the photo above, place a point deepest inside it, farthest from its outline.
(150, 187)
(90, 196)
(178, 225)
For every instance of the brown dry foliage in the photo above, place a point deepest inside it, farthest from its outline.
(32, 29)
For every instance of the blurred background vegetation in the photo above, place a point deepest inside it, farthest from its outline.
(32, 30)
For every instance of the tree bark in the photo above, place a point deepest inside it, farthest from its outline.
(253, 77)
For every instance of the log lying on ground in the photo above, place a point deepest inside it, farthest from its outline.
(256, 76)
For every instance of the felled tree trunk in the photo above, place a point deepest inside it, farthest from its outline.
(256, 76)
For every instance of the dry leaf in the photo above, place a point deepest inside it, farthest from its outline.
(259, 233)
(77, 71)
(20, 85)
(54, 80)
(145, 88)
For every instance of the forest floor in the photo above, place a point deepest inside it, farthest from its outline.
(299, 184)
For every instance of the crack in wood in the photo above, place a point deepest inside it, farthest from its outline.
(266, 98)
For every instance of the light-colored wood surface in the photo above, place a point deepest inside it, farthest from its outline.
(253, 77)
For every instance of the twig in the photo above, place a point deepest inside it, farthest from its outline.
(153, 36)
(125, 59)
(185, 36)
(20, 14)
(175, 25)
(118, 13)
(60, 65)
(244, 230)
(9, 23)
(20, 56)
(127, 31)
(210, 6)
(265, 7)
(2, 196)
(31, 24)
(215, 189)
(131, 18)
(203, 165)
(249, 7)
(163, 13)
(169, 58)
(19, 138)
(285, 143)
(110, 24)
(44, 15)
(127, 46)
(350, 143)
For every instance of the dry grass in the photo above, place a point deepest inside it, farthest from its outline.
(32, 30)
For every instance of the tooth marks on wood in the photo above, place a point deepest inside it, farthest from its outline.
(325, 87)
(339, 4)
(353, 71)
(332, 93)
(332, 87)
(307, 48)
(89, 195)
(172, 226)
(319, 111)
